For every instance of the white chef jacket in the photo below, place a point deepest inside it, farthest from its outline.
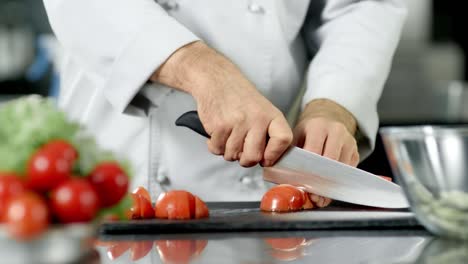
(112, 47)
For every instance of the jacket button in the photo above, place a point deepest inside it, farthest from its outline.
(256, 9)
(169, 5)
(163, 179)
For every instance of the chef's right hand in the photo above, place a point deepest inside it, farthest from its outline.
(236, 116)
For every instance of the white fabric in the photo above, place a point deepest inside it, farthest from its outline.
(113, 46)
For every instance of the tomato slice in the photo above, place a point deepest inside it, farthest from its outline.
(282, 198)
(11, 185)
(179, 251)
(288, 243)
(386, 178)
(110, 181)
(180, 205)
(74, 201)
(143, 192)
(26, 216)
(142, 208)
(140, 249)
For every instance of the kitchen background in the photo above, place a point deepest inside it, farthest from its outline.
(426, 84)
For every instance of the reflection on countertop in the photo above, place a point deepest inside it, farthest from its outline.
(295, 247)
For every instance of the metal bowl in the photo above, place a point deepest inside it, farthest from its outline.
(431, 164)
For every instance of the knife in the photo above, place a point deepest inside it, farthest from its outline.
(321, 175)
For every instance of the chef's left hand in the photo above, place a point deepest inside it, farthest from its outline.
(328, 129)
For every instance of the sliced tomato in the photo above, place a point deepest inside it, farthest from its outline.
(179, 251)
(143, 192)
(110, 181)
(283, 198)
(11, 185)
(288, 255)
(26, 216)
(180, 205)
(74, 201)
(140, 249)
(142, 207)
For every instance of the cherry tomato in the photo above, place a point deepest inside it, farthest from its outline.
(74, 201)
(180, 205)
(110, 181)
(179, 251)
(26, 216)
(140, 249)
(283, 198)
(63, 149)
(46, 170)
(10, 186)
(142, 207)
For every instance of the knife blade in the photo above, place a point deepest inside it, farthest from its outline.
(321, 175)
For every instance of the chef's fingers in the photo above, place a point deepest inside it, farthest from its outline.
(355, 159)
(217, 142)
(254, 146)
(280, 139)
(348, 150)
(315, 140)
(333, 146)
(235, 144)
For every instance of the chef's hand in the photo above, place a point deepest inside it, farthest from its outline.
(236, 116)
(328, 129)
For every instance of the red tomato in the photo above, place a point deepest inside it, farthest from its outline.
(110, 181)
(283, 198)
(74, 201)
(142, 207)
(140, 249)
(26, 216)
(63, 149)
(10, 186)
(180, 205)
(179, 251)
(46, 170)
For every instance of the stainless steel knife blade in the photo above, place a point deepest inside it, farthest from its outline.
(335, 180)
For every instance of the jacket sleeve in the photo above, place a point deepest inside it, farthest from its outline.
(120, 42)
(354, 42)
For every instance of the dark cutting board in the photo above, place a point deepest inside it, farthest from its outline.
(246, 217)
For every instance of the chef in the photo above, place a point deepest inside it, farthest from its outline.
(131, 68)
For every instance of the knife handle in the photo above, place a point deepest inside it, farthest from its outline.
(192, 120)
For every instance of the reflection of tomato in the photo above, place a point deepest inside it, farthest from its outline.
(26, 216)
(288, 255)
(140, 249)
(386, 178)
(110, 182)
(289, 243)
(286, 249)
(179, 251)
(118, 249)
(283, 198)
(10, 186)
(74, 201)
(180, 205)
(142, 207)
